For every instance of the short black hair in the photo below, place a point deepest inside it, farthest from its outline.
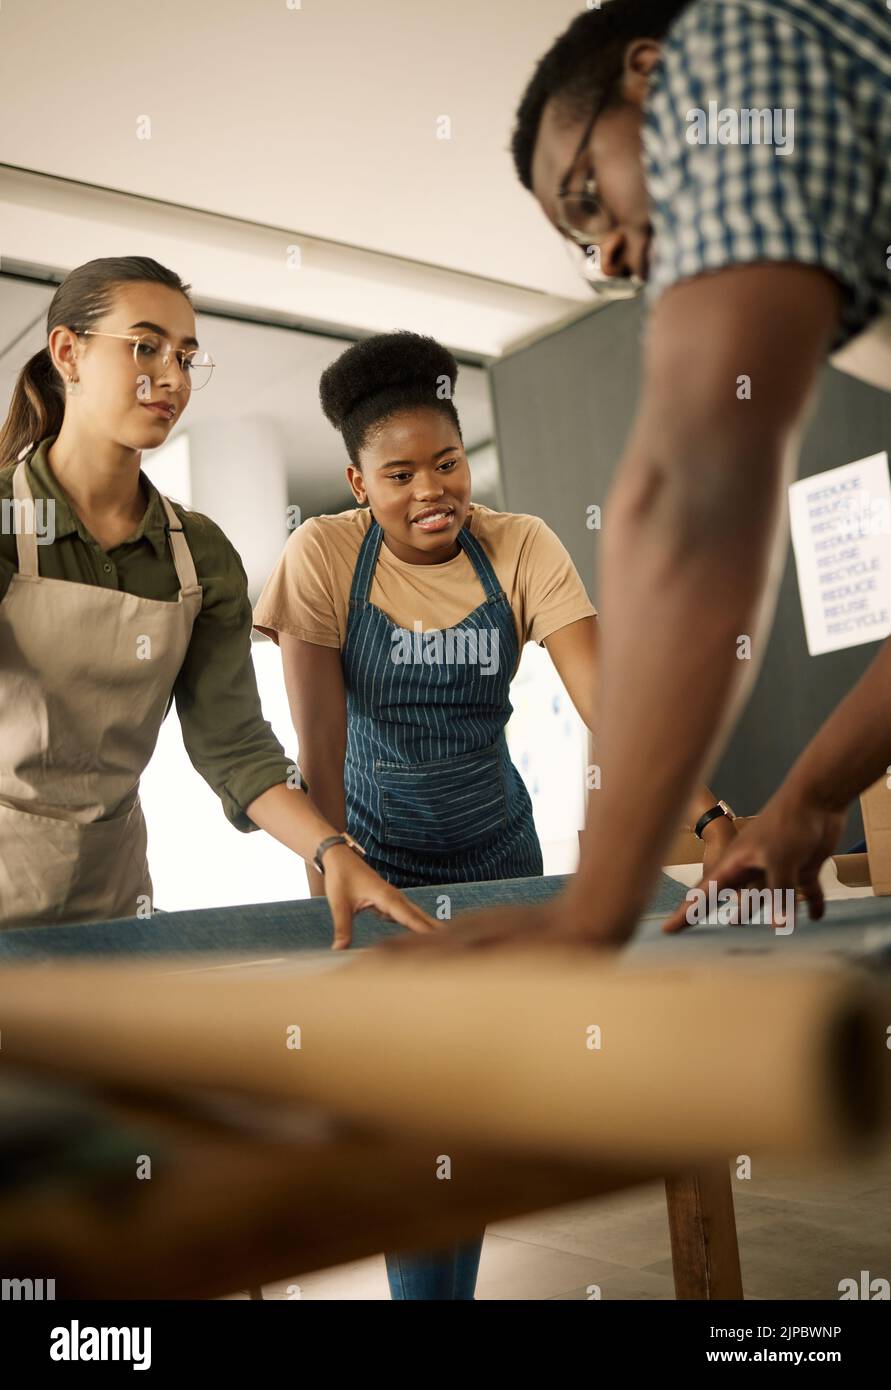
(383, 375)
(583, 64)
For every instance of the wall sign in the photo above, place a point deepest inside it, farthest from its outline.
(841, 534)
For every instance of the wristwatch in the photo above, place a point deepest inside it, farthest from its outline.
(335, 840)
(721, 809)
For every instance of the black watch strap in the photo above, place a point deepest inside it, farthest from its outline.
(706, 818)
(329, 843)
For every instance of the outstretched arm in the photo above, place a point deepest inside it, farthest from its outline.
(688, 564)
(784, 847)
(575, 652)
(316, 698)
(313, 678)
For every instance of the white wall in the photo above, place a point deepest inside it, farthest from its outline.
(197, 858)
(239, 480)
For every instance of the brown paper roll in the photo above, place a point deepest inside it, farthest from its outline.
(499, 1048)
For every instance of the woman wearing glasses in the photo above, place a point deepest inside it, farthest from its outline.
(113, 602)
(401, 623)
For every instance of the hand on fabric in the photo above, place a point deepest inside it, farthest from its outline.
(498, 927)
(781, 849)
(350, 886)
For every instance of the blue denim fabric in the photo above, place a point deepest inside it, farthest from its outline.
(449, 1274)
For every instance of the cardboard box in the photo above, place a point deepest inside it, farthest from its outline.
(875, 803)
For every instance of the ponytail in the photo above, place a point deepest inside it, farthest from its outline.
(37, 407)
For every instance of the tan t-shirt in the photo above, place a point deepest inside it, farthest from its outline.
(307, 594)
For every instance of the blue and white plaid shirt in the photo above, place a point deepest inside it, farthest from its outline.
(824, 199)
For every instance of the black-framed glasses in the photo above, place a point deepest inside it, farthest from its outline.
(152, 355)
(585, 223)
(580, 213)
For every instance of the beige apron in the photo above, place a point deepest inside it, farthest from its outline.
(86, 675)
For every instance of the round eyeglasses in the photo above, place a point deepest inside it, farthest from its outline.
(152, 355)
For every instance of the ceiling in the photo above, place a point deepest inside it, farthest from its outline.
(315, 115)
(319, 116)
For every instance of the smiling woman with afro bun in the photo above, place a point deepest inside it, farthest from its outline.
(401, 623)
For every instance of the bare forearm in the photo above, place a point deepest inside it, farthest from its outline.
(702, 799)
(690, 560)
(587, 701)
(853, 748)
(324, 776)
(290, 817)
(681, 574)
(314, 682)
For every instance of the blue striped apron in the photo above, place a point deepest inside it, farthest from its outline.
(431, 792)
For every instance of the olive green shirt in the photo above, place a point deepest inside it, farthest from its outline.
(225, 734)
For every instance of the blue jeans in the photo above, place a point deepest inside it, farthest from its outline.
(436, 1274)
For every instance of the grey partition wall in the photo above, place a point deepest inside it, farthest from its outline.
(563, 409)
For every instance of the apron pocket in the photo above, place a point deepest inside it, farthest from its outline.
(444, 806)
(112, 871)
(56, 870)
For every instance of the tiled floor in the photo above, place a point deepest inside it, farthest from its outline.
(799, 1235)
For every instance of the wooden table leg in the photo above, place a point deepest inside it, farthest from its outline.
(704, 1250)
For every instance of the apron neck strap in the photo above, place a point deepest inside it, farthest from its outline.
(480, 561)
(24, 521)
(364, 571)
(182, 555)
(370, 549)
(26, 535)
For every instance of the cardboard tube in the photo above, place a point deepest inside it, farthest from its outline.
(852, 870)
(558, 1052)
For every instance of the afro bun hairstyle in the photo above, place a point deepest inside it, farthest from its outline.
(383, 376)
